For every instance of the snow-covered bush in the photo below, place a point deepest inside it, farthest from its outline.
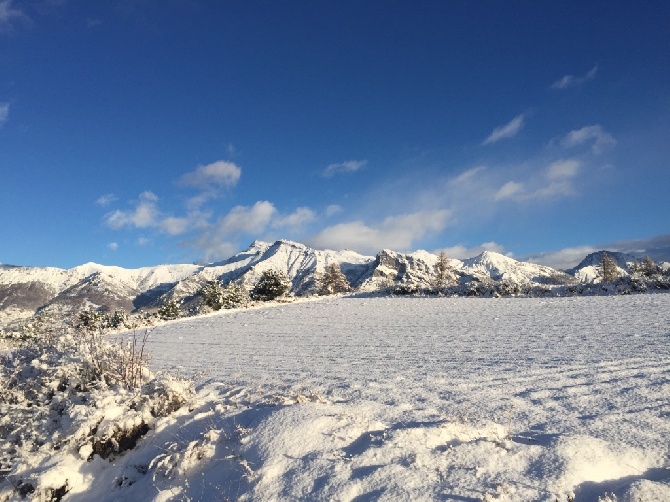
(96, 319)
(75, 394)
(271, 285)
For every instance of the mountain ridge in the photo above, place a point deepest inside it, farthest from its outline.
(26, 290)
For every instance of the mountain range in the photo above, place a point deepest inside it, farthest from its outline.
(27, 290)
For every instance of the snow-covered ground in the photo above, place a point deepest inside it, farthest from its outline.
(383, 398)
(518, 399)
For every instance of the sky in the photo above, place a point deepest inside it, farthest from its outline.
(142, 132)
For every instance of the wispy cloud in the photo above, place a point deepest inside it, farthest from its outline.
(508, 130)
(9, 15)
(113, 246)
(568, 81)
(554, 181)
(396, 232)
(4, 113)
(106, 200)
(333, 209)
(349, 166)
(600, 138)
(509, 190)
(563, 169)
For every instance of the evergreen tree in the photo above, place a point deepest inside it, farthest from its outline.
(212, 294)
(608, 268)
(169, 310)
(271, 285)
(233, 296)
(332, 281)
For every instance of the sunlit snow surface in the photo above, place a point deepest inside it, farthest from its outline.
(437, 398)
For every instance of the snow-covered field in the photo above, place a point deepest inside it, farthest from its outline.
(438, 398)
(383, 398)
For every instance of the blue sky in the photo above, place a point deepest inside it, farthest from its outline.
(140, 132)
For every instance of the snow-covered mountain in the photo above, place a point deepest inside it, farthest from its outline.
(503, 268)
(588, 268)
(25, 290)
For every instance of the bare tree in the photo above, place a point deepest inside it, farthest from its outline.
(443, 275)
(332, 281)
(608, 268)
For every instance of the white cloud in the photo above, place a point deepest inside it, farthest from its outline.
(143, 241)
(333, 209)
(568, 81)
(4, 113)
(601, 139)
(211, 179)
(220, 174)
(221, 239)
(113, 246)
(301, 216)
(563, 258)
(344, 167)
(509, 190)
(658, 247)
(245, 219)
(461, 252)
(106, 200)
(507, 131)
(394, 232)
(174, 225)
(9, 14)
(562, 169)
(144, 215)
